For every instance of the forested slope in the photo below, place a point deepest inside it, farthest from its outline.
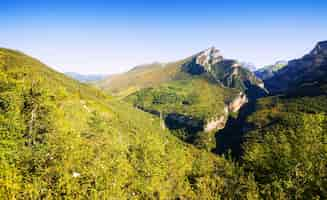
(60, 139)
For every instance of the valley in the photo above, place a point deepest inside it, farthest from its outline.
(203, 127)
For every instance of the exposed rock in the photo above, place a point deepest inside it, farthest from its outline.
(215, 124)
(321, 48)
(209, 57)
(237, 103)
(262, 85)
(76, 174)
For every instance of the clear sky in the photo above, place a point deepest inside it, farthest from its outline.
(96, 36)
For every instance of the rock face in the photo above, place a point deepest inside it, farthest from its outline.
(176, 121)
(237, 103)
(320, 49)
(227, 72)
(215, 124)
(312, 66)
(208, 58)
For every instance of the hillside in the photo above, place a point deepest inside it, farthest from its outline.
(286, 143)
(198, 97)
(60, 139)
(141, 77)
(282, 138)
(188, 106)
(310, 67)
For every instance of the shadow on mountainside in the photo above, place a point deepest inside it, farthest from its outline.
(230, 138)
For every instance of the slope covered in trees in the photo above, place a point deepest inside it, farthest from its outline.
(60, 139)
(287, 145)
(193, 96)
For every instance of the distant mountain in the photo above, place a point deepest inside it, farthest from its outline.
(208, 64)
(249, 66)
(85, 77)
(309, 68)
(270, 70)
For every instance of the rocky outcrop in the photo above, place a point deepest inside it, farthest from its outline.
(208, 57)
(175, 120)
(191, 124)
(320, 49)
(215, 124)
(237, 103)
(227, 72)
(178, 121)
(220, 121)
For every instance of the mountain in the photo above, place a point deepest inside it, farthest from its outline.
(270, 70)
(208, 64)
(61, 139)
(227, 72)
(85, 77)
(193, 96)
(312, 66)
(249, 66)
(279, 137)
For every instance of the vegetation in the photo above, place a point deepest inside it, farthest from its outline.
(60, 139)
(194, 97)
(228, 73)
(144, 76)
(287, 149)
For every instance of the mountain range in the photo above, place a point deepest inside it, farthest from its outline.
(208, 64)
(203, 127)
(86, 77)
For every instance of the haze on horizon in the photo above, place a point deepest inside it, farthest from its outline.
(113, 36)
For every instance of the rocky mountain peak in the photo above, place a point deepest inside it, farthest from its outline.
(209, 57)
(320, 49)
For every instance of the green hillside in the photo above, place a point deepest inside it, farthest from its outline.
(60, 139)
(187, 106)
(194, 97)
(141, 77)
(287, 147)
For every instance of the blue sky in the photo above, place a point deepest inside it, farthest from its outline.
(113, 36)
